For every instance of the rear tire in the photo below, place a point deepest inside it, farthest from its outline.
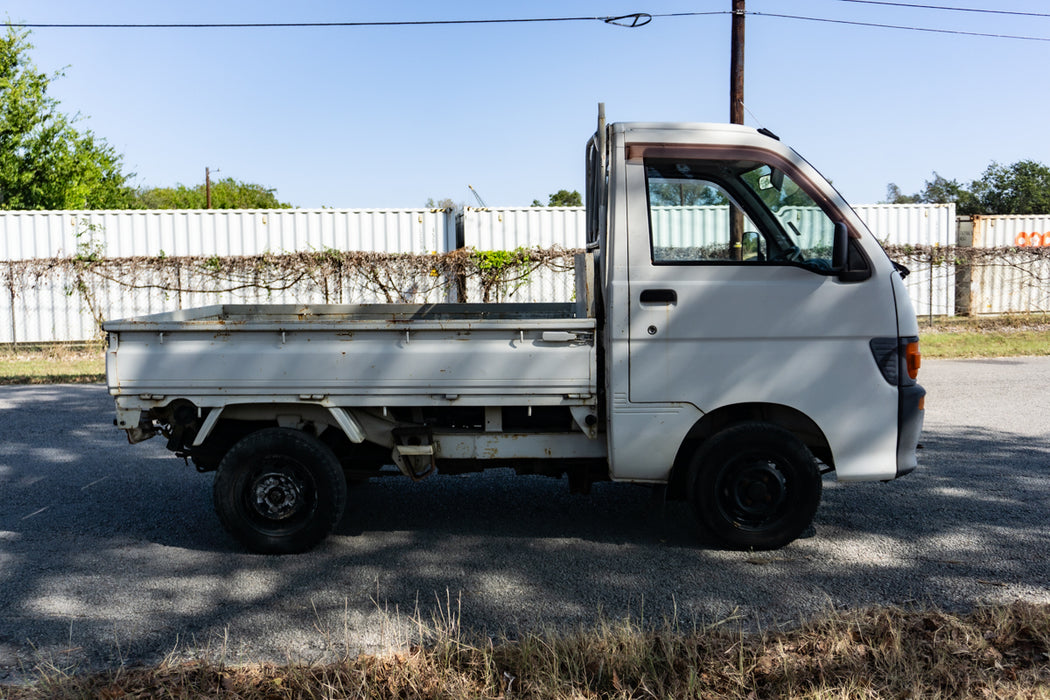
(755, 486)
(279, 491)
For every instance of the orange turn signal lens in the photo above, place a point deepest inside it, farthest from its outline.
(913, 358)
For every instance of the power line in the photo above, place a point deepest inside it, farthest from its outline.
(632, 20)
(948, 8)
(901, 26)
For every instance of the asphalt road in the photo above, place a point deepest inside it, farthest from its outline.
(110, 553)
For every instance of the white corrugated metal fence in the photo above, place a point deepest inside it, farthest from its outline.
(1014, 283)
(41, 303)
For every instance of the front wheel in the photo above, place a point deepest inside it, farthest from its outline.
(279, 491)
(755, 486)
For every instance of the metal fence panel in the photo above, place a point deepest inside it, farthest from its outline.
(1013, 283)
(1010, 231)
(910, 224)
(931, 286)
(523, 227)
(46, 305)
(28, 235)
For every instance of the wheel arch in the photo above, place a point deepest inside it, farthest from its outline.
(223, 426)
(714, 422)
(284, 415)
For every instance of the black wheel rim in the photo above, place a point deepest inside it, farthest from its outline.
(753, 491)
(279, 495)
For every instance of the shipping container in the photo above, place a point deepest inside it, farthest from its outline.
(42, 303)
(931, 284)
(1017, 282)
(46, 305)
(26, 235)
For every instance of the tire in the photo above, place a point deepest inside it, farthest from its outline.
(279, 491)
(754, 486)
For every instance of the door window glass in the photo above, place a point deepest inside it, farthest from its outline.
(733, 212)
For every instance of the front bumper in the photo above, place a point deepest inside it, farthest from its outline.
(909, 428)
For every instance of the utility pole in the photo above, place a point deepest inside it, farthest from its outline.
(736, 65)
(736, 116)
(207, 187)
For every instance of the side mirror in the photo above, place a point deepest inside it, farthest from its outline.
(840, 250)
(751, 246)
(840, 257)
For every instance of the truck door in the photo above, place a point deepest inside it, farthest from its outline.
(732, 297)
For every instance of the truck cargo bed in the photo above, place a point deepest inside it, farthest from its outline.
(362, 355)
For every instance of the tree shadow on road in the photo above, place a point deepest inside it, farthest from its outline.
(103, 543)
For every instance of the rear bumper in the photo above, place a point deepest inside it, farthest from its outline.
(909, 427)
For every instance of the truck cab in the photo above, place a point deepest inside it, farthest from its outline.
(749, 315)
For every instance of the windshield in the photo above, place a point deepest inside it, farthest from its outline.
(808, 226)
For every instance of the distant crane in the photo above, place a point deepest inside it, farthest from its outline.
(481, 202)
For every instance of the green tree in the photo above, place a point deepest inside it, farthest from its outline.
(225, 194)
(45, 162)
(561, 198)
(939, 190)
(1020, 188)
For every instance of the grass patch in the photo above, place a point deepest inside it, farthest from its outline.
(52, 363)
(957, 346)
(995, 651)
(1000, 336)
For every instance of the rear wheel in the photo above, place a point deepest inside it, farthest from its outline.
(279, 491)
(755, 486)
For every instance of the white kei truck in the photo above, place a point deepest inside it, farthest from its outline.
(737, 332)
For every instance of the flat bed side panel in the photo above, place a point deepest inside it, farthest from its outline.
(488, 362)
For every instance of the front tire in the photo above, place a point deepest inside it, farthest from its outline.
(755, 486)
(279, 491)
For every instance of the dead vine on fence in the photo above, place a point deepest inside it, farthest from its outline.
(960, 255)
(334, 276)
(1030, 263)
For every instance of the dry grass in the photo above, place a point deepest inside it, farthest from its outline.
(983, 325)
(994, 652)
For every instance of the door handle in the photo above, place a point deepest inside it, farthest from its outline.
(559, 337)
(659, 296)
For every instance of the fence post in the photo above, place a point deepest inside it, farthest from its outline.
(933, 255)
(178, 284)
(964, 266)
(11, 289)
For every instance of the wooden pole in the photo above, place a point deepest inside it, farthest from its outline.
(736, 115)
(736, 65)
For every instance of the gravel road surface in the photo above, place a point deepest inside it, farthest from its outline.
(111, 553)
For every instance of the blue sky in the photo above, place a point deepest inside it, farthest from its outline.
(388, 117)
